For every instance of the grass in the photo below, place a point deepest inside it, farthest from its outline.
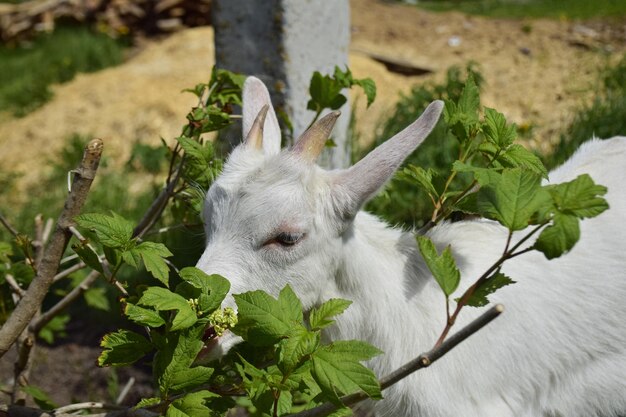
(28, 70)
(556, 9)
(603, 118)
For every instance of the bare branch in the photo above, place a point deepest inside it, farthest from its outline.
(38, 289)
(69, 271)
(14, 285)
(422, 361)
(72, 296)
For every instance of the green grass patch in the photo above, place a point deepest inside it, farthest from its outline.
(605, 117)
(28, 70)
(556, 9)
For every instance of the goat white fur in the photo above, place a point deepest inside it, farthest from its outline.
(559, 349)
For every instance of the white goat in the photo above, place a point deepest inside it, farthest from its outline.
(276, 218)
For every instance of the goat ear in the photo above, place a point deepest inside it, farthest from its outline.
(255, 97)
(352, 187)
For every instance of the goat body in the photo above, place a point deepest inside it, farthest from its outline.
(275, 218)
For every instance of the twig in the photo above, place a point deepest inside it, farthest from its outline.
(69, 271)
(508, 254)
(68, 258)
(47, 229)
(14, 285)
(76, 292)
(38, 288)
(120, 398)
(86, 406)
(158, 205)
(422, 361)
(38, 243)
(8, 226)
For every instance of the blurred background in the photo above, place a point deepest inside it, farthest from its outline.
(115, 69)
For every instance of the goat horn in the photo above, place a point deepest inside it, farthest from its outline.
(254, 139)
(312, 142)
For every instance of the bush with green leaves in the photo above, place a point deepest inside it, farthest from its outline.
(285, 366)
(402, 202)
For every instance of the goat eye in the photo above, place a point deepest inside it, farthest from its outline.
(285, 239)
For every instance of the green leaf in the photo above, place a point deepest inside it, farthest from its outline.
(88, 256)
(285, 400)
(113, 231)
(423, 177)
(123, 347)
(469, 102)
(152, 254)
(293, 349)
(513, 199)
(337, 370)
(143, 316)
(174, 359)
(190, 378)
(462, 117)
(213, 288)
(97, 298)
(579, 197)
(163, 299)
(262, 320)
(325, 93)
(320, 317)
(356, 350)
(489, 286)
(518, 156)
(55, 328)
(147, 402)
(559, 237)
(290, 305)
(443, 267)
(496, 130)
(369, 88)
(192, 405)
(484, 176)
(42, 399)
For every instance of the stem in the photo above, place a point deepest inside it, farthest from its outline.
(508, 254)
(159, 204)
(69, 271)
(31, 302)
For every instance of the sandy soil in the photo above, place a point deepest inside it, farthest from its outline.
(536, 71)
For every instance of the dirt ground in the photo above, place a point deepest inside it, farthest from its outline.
(536, 71)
